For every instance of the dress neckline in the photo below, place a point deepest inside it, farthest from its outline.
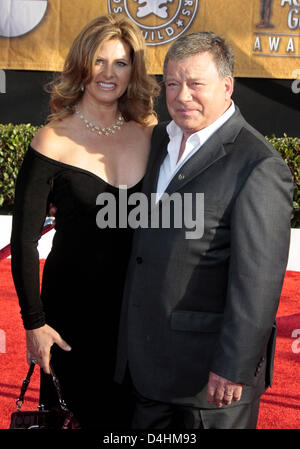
(79, 169)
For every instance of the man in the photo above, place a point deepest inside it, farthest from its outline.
(197, 329)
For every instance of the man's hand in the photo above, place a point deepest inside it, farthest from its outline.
(39, 342)
(222, 391)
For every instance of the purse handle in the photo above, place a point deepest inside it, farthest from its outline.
(26, 382)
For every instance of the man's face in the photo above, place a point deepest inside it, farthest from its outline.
(196, 95)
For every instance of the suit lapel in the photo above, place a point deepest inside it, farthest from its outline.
(207, 155)
(159, 145)
(212, 150)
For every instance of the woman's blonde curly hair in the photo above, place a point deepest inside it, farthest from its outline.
(137, 102)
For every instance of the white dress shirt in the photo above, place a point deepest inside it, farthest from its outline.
(170, 166)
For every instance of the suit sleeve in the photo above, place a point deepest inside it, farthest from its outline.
(30, 209)
(260, 235)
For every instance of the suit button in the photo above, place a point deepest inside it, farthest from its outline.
(139, 259)
(180, 176)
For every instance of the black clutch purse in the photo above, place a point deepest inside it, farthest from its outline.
(58, 418)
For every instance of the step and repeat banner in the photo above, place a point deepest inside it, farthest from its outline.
(36, 34)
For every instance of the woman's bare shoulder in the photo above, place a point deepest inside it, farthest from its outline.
(50, 140)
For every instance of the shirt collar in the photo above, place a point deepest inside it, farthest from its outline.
(199, 137)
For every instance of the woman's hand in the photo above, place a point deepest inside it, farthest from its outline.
(52, 210)
(39, 342)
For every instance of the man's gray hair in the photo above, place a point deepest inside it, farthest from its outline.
(202, 42)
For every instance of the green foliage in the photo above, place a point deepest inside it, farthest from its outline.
(14, 141)
(289, 149)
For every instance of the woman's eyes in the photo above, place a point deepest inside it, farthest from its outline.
(118, 63)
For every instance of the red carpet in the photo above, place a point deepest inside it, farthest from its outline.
(280, 406)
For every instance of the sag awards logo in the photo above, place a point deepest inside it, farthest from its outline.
(18, 17)
(160, 21)
(278, 29)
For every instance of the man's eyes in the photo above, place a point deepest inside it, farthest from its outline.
(192, 84)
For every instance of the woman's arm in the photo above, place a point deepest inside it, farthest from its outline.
(33, 188)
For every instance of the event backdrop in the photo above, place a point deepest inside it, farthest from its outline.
(36, 34)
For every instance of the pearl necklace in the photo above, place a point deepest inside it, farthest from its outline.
(101, 131)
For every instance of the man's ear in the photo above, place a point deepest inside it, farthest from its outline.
(228, 84)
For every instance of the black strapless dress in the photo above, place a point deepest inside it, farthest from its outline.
(82, 284)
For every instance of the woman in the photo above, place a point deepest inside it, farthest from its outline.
(98, 139)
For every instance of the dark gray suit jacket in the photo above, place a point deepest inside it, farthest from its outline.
(209, 304)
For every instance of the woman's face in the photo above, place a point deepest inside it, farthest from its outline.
(111, 72)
